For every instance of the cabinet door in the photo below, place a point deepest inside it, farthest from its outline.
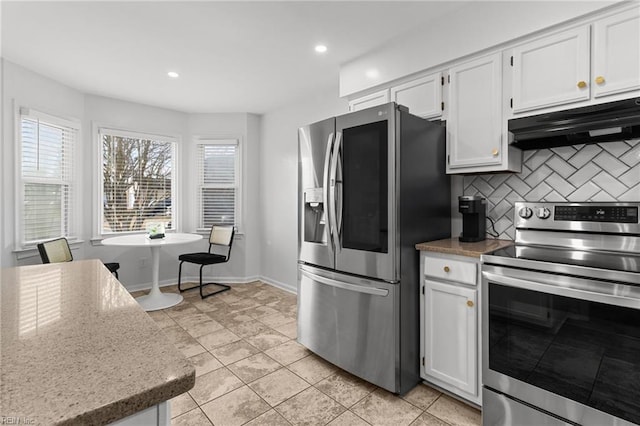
(423, 96)
(451, 335)
(474, 124)
(616, 54)
(551, 71)
(371, 100)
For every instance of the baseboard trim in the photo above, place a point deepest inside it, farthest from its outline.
(283, 286)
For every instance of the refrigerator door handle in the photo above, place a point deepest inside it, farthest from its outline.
(339, 193)
(325, 185)
(333, 183)
(352, 287)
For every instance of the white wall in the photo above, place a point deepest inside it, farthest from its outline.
(279, 179)
(453, 37)
(2, 201)
(244, 263)
(268, 248)
(114, 113)
(251, 202)
(26, 88)
(476, 27)
(136, 272)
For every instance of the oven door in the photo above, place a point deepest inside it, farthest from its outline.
(567, 345)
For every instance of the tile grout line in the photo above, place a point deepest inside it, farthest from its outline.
(176, 316)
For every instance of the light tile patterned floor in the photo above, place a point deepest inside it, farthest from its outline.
(251, 371)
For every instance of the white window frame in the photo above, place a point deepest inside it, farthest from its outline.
(98, 131)
(238, 180)
(74, 217)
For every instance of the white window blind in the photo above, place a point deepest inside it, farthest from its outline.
(218, 192)
(138, 185)
(46, 191)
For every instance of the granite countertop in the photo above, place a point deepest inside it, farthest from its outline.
(454, 246)
(78, 349)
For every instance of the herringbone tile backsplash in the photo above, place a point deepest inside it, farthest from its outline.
(600, 172)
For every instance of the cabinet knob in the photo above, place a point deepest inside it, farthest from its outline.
(599, 79)
(470, 303)
(494, 151)
(582, 84)
(447, 269)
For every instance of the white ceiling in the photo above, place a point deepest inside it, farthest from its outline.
(233, 56)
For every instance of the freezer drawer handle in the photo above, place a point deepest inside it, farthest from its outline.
(346, 286)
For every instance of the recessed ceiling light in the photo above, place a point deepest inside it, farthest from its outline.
(173, 74)
(321, 48)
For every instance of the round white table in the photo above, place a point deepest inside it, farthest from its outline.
(155, 300)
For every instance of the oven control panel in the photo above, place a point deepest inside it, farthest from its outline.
(597, 213)
(616, 217)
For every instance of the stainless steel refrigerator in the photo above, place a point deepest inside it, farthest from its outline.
(372, 184)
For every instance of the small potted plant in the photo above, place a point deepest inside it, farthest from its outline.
(155, 230)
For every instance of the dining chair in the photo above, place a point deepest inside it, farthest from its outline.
(221, 237)
(58, 250)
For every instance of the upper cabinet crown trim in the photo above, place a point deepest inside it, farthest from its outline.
(442, 43)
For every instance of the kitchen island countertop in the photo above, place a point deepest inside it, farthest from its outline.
(455, 246)
(78, 349)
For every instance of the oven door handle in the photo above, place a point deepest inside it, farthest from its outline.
(609, 293)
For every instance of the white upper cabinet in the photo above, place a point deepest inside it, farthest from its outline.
(616, 54)
(475, 128)
(368, 101)
(423, 96)
(551, 71)
(587, 64)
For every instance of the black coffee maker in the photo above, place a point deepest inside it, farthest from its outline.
(474, 213)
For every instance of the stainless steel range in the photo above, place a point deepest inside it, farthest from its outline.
(561, 317)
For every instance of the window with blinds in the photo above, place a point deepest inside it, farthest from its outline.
(46, 189)
(138, 185)
(218, 192)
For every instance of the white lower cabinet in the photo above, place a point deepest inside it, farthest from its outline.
(450, 335)
(158, 415)
(450, 328)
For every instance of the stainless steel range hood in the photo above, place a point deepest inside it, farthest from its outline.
(608, 122)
